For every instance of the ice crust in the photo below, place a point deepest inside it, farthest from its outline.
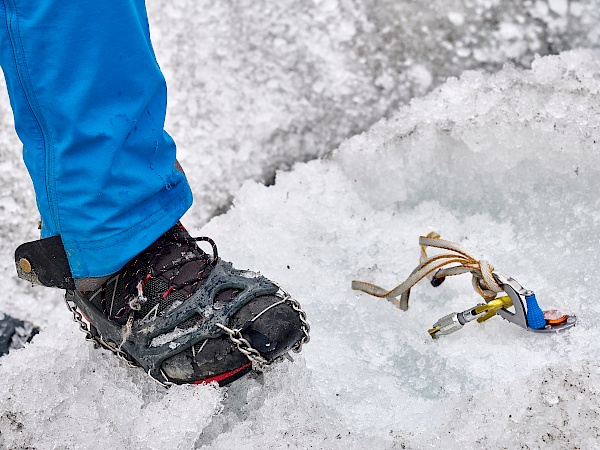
(505, 164)
(259, 85)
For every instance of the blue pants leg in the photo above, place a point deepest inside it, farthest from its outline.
(89, 102)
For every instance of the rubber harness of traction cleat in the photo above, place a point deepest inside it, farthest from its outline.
(149, 343)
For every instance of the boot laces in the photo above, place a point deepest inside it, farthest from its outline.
(170, 269)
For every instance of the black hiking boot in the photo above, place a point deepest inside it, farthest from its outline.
(180, 314)
(15, 333)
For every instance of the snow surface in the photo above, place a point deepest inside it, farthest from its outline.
(257, 85)
(504, 163)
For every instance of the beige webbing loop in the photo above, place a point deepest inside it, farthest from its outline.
(460, 260)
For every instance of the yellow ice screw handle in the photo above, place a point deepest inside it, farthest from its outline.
(492, 306)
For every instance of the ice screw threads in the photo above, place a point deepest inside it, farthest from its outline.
(535, 316)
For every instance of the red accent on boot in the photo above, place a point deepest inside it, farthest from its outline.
(223, 376)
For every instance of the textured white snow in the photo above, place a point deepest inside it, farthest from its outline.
(258, 85)
(506, 164)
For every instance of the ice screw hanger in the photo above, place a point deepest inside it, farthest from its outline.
(503, 295)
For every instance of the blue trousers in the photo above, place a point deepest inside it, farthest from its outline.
(89, 103)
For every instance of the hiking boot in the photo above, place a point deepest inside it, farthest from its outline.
(182, 315)
(15, 333)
